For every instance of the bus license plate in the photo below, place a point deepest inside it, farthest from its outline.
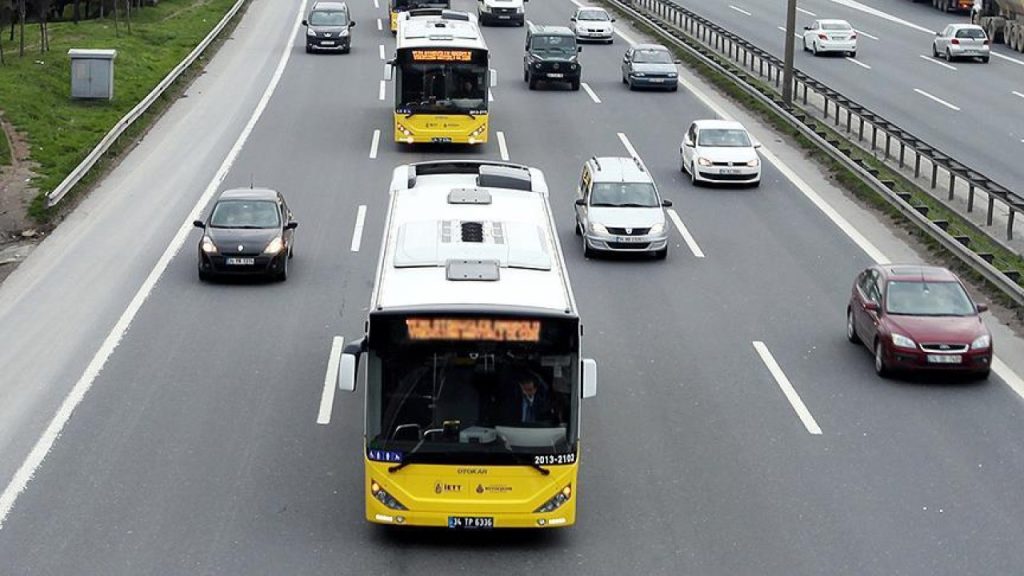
(241, 261)
(944, 359)
(470, 522)
(441, 140)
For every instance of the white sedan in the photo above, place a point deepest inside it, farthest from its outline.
(720, 151)
(830, 36)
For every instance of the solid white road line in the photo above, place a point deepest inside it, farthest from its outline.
(687, 237)
(380, 25)
(590, 92)
(1008, 375)
(883, 15)
(357, 234)
(937, 99)
(865, 34)
(1007, 58)
(787, 388)
(502, 147)
(380, 93)
(376, 4)
(858, 63)
(740, 10)
(490, 95)
(936, 62)
(629, 145)
(783, 28)
(382, 55)
(373, 144)
(808, 12)
(330, 382)
(42, 446)
(1018, 94)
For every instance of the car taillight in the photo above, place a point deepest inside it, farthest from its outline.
(955, 41)
(822, 36)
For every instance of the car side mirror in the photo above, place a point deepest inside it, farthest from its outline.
(938, 33)
(871, 306)
(589, 378)
(981, 307)
(807, 27)
(757, 145)
(352, 24)
(199, 224)
(677, 61)
(581, 202)
(573, 19)
(291, 225)
(613, 19)
(305, 23)
(666, 203)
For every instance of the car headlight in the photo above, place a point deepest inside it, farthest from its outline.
(981, 342)
(310, 32)
(536, 65)
(703, 161)
(638, 74)
(901, 341)
(208, 246)
(384, 498)
(598, 228)
(344, 32)
(275, 246)
(563, 496)
(572, 66)
(753, 162)
(657, 228)
(520, 10)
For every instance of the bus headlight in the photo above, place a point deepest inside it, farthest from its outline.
(480, 130)
(563, 496)
(384, 498)
(405, 131)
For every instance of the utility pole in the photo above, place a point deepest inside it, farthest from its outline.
(787, 68)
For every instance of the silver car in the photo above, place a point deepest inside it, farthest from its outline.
(618, 208)
(961, 41)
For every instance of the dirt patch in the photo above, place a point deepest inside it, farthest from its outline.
(16, 192)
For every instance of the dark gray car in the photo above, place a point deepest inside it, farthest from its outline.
(328, 27)
(650, 66)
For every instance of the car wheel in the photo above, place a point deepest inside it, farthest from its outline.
(526, 75)
(661, 254)
(532, 82)
(805, 45)
(851, 329)
(578, 230)
(346, 50)
(814, 48)
(880, 367)
(204, 276)
(756, 183)
(853, 54)
(630, 84)
(309, 49)
(949, 55)
(693, 174)
(283, 274)
(935, 51)
(575, 85)
(624, 81)
(588, 252)
(611, 40)
(291, 252)
(984, 60)
(982, 376)
(674, 88)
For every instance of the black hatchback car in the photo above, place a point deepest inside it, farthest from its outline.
(327, 27)
(249, 232)
(552, 55)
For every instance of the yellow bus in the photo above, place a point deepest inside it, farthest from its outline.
(471, 355)
(395, 7)
(442, 79)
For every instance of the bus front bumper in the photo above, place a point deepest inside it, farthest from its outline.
(380, 514)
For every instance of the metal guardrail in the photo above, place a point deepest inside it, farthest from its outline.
(957, 176)
(80, 171)
(663, 16)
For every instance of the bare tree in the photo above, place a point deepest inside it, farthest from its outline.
(21, 18)
(128, 14)
(43, 8)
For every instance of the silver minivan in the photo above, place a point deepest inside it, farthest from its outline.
(619, 209)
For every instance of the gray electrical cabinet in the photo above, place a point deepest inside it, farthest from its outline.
(92, 73)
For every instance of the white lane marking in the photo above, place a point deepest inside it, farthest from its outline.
(376, 4)
(883, 15)
(629, 145)
(1007, 58)
(381, 51)
(330, 382)
(373, 144)
(490, 96)
(502, 147)
(808, 12)
(787, 388)
(590, 92)
(53, 430)
(858, 63)
(380, 25)
(1018, 94)
(783, 28)
(357, 233)
(1008, 375)
(687, 237)
(740, 10)
(937, 99)
(863, 33)
(934, 61)
(380, 93)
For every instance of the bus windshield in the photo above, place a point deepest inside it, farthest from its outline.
(472, 390)
(398, 5)
(439, 81)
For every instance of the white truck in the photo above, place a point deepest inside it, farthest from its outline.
(1003, 21)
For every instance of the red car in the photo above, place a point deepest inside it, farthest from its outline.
(915, 317)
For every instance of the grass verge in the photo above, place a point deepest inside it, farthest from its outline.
(35, 89)
(1003, 259)
(5, 150)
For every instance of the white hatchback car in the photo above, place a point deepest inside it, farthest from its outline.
(961, 41)
(593, 23)
(720, 151)
(830, 36)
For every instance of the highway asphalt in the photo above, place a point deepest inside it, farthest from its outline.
(971, 111)
(196, 450)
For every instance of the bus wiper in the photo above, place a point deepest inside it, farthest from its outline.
(405, 461)
(518, 460)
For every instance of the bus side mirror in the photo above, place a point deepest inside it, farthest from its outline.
(589, 378)
(387, 69)
(494, 77)
(350, 365)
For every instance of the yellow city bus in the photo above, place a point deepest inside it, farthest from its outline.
(442, 79)
(395, 7)
(473, 372)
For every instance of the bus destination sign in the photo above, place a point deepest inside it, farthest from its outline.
(482, 329)
(442, 55)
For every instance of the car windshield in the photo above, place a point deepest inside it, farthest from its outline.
(974, 33)
(652, 57)
(245, 214)
(593, 15)
(626, 194)
(836, 26)
(554, 45)
(328, 18)
(921, 298)
(723, 138)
